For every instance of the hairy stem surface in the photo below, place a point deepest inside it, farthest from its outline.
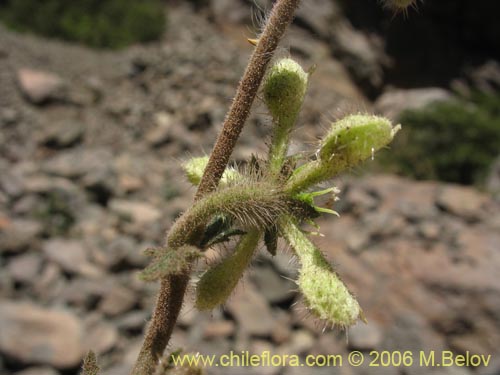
(172, 289)
(281, 16)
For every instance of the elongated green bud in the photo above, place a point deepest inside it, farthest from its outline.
(216, 285)
(284, 89)
(349, 141)
(324, 292)
(355, 138)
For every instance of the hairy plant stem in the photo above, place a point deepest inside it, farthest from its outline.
(173, 288)
(281, 16)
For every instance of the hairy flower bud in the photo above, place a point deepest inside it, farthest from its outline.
(355, 138)
(324, 292)
(284, 89)
(349, 141)
(218, 282)
(195, 167)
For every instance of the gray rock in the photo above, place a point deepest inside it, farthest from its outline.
(429, 230)
(8, 116)
(251, 311)
(84, 292)
(493, 179)
(71, 256)
(365, 336)
(18, 234)
(317, 15)
(100, 336)
(300, 343)
(229, 11)
(31, 334)
(39, 86)
(218, 328)
(162, 132)
(117, 301)
(133, 321)
(273, 286)
(11, 182)
(25, 268)
(63, 134)
(462, 201)
(392, 103)
(38, 371)
(139, 212)
(77, 163)
(362, 55)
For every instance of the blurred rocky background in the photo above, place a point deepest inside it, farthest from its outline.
(100, 101)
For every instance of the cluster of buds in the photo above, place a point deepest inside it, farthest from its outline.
(269, 199)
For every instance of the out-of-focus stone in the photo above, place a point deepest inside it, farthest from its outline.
(274, 287)
(317, 15)
(117, 301)
(220, 328)
(392, 103)
(100, 336)
(462, 201)
(62, 134)
(38, 371)
(251, 311)
(25, 268)
(18, 234)
(31, 334)
(300, 343)
(139, 212)
(162, 132)
(39, 86)
(365, 336)
(71, 255)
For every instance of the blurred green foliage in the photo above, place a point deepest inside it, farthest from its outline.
(452, 141)
(98, 23)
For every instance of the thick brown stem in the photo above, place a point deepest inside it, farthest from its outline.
(281, 16)
(172, 289)
(168, 306)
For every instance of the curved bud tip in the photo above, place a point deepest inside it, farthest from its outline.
(356, 138)
(328, 297)
(284, 88)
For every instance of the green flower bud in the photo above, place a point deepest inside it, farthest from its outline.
(349, 141)
(356, 138)
(195, 167)
(218, 282)
(326, 295)
(324, 292)
(284, 89)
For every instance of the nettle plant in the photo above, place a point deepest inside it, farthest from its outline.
(265, 200)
